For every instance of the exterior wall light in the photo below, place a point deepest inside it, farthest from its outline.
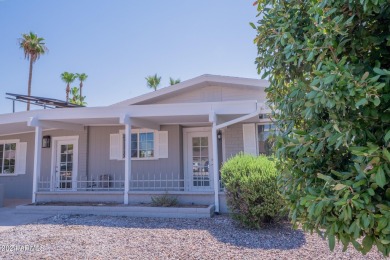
(219, 135)
(46, 140)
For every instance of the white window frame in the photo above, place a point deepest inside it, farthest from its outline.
(257, 135)
(138, 131)
(10, 141)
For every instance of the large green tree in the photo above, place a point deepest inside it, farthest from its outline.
(153, 81)
(68, 78)
(328, 63)
(33, 47)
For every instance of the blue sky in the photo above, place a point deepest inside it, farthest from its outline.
(118, 43)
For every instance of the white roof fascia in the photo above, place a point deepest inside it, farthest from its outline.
(206, 79)
(221, 108)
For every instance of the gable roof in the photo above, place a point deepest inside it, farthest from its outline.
(198, 82)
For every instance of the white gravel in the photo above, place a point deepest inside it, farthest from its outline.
(99, 237)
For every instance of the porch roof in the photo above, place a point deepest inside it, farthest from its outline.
(145, 116)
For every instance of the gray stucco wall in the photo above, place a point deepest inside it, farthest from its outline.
(20, 186)
(234, 141)
(99, 162)
(94, 160)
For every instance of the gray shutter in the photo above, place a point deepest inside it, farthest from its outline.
(249, 136)
(115, 147)
(21, 158)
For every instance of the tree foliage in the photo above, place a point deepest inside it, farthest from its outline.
(173, 81)
(328, 63)
(251, 189)
(76, 98)
(68, 78)
(81, 77)
(33, 47)
(153, 81)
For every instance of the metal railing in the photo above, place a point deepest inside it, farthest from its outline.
(156, 182)
(115, 182)
(103, 182)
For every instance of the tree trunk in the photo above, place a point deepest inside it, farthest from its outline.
(29, 82)
(81, 89)
(67, 92)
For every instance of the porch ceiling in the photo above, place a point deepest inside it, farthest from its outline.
(21, 127)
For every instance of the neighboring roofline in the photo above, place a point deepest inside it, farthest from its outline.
(206, 78)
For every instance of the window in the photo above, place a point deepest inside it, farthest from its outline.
(142, 145)
(263, 134)
(7, 158)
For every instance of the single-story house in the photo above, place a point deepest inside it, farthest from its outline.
(171, 140)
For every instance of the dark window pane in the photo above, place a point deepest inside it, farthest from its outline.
(142, 137)
(196, 141)
(264, 144)
(204, 141)
(150, 136)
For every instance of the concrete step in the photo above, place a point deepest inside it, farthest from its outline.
(128, 211)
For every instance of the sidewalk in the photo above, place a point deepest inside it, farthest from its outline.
(9, 217)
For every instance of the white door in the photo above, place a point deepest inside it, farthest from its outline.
(199, 160)
(65, 173)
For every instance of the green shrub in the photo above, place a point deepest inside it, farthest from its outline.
(251, 189)
(164, 200)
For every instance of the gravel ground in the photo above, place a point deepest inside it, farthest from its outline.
(99, 237)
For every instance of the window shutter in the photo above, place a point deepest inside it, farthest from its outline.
(21, 158)
(115, 147)
(249, 136)
(163, 144)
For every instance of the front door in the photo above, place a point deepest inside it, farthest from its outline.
(199, 160)
(66, 165)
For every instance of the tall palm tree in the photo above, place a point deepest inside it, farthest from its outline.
(153, 81)
(68, 78)
(82, 77)
(174, 81)
(33, 47)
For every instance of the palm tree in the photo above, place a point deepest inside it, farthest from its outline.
(82, 77)
(75, 95)
(33, 48)
(68, 78)
(153, 81)
(174, 81)
(76, 98)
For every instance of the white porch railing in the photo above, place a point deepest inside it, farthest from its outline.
(104, 182)
(116, 182)
(156, 182)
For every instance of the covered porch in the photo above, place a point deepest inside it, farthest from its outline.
(195, 133)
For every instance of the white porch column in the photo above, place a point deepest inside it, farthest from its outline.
(126, 120)
(37, 161)
(214, 137)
